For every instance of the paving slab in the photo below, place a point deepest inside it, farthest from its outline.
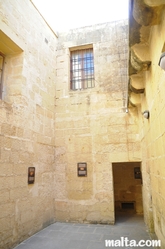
(62, 235)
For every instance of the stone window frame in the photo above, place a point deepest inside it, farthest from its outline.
(2, 64)
(82, 67)
(10, 46)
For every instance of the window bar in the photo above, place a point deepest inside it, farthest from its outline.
(81, 69)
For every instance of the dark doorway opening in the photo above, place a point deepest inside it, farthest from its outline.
(127, 188)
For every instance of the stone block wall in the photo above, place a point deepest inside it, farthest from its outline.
(27, 136)
(153, 136)
(46, 125)
(92, 125)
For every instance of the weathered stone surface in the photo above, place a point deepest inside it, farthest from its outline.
(152, 131)
(91, 125)
(46, 125)
(26, 122)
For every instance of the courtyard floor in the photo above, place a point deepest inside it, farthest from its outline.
(88, 236)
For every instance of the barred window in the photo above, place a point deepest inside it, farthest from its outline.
(82, 69)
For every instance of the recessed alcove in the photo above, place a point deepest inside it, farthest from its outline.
(127, 188)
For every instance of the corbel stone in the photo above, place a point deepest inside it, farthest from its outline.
(134, 99)
(140, 57)
(137, 81)
(154, 3)
(135, 90)
(147, 14)
(136, 84)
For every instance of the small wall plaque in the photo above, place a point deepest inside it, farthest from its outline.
(82, 169)
(31, 175)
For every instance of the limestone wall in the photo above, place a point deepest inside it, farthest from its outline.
(26, 122)
(153, 135)
(46, 125)
(92, 126)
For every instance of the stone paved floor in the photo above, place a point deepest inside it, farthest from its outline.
(87, 236)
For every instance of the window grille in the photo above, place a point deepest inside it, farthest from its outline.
(82, 69)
